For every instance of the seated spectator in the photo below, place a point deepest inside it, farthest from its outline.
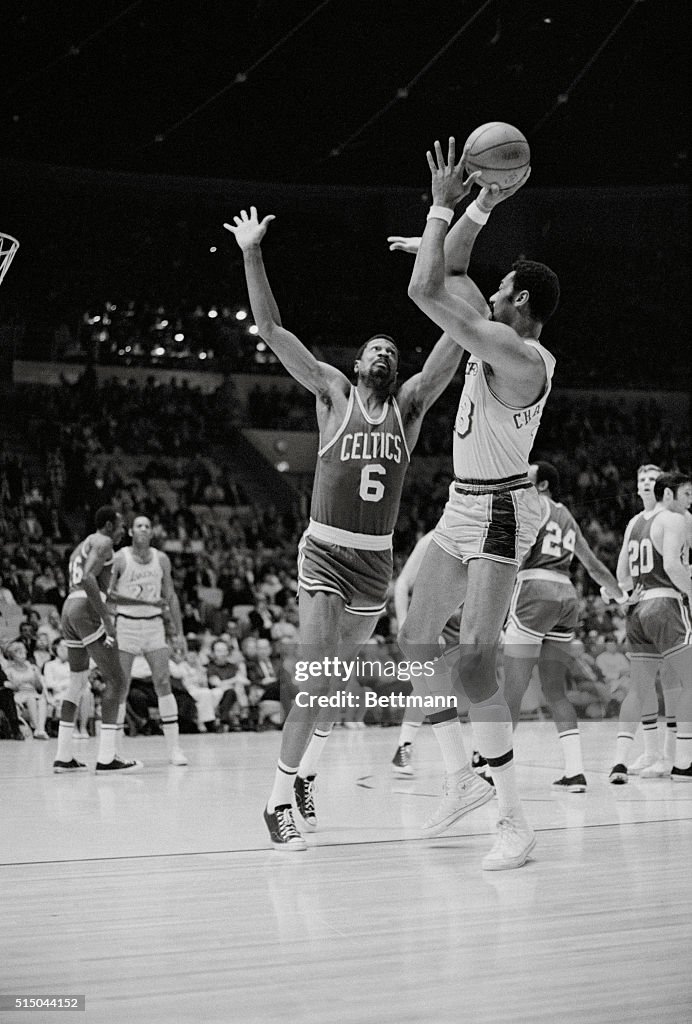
(24, 678)
(187, 706)
(27, 637)
(52, 625)
(192, 623)
(42, 650)
(193, 676)
(8, 710)
(261, 618)
(56, 679)
(227, 679)
(6, 595)
(614, 667)
(584, 688)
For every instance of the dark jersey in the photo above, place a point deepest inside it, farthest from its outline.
(646, 563)
(360, 472)
(78, 560)
(556, 540)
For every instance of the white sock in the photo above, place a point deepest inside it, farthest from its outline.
(450, 737)
(168, 710)
(650, 734)
(121, 729)
(571, 752)
(282, 790)
(408, 733)
(623, 746)
(669, 738)
(492, 727)
(310, 759)
(64, 752)
(107, 743)
(683, 745)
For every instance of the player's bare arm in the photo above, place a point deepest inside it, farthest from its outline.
(169, 595)
(100, 552)
(328, 384)
(421, 390)
(494, 343)
(669, 536)
(598, 572)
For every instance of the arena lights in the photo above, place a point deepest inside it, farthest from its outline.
(212, 248)
(253, 329)
(213, 313)
(261, 346)
(202, 355)
(179, 336)
(158, 351)
(283, 466)
(160, 324)
(241, 314)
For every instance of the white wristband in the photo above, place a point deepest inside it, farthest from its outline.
(442, 213)
(474, 213)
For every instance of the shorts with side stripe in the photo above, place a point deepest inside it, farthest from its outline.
(361, 578)
(542, 610)
(500, 525)
(80, 624)
(659, 626)
(140, 635)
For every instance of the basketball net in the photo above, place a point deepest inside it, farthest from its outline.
(8, 247)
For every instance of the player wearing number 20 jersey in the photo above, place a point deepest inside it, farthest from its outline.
(347, 548)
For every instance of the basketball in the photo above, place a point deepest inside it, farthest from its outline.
(500, 152)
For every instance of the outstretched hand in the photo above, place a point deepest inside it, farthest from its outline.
(401, 243)
(448, 185)
(248, 230)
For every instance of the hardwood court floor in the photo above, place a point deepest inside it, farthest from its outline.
(157, 896)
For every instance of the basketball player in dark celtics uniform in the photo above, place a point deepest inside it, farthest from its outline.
(656, 544)
(89, 632)
(543, 616)
(345, 557)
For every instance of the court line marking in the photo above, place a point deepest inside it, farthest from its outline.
(333, 845)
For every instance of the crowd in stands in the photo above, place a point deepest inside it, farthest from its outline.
(157, 450)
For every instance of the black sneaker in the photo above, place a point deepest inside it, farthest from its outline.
(401, 762)
(68, 766)
(681, 774)
(478, 763)
(118, 766)
(282, 829)
(573, 784)
(304, 790)
(618, 775)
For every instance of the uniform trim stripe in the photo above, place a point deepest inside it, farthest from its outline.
(500, 762)
(366, 611)
(91, 639)
(397, 413)
(349, 410)
(501, 538)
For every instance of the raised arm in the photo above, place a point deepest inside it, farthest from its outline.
(494, 343)
(316, 376)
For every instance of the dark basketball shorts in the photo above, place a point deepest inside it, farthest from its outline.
(660, 625)
(361, 578)
(542, 610)
(498, 524)
(80, 624)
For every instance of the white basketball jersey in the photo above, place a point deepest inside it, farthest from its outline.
(492, 440)
(140, 581)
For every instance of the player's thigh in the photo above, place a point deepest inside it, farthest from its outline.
(356, 630)
(321, 616)
(439, 589)
(488, 594)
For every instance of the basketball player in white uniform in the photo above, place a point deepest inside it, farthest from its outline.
(494, 512)
(141, 588)
(345, 562)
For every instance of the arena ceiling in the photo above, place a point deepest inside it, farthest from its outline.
(345, 91)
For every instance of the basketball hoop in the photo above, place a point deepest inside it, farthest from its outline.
(8, 247)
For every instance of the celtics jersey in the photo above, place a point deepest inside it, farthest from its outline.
(493, 440)
(556, 540)
(360, 476)
(78, 560)
(646, 563)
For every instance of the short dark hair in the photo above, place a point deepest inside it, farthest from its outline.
(547, 471)
(542, 285)
(672, 480)
(105, 514)
(385, 337)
